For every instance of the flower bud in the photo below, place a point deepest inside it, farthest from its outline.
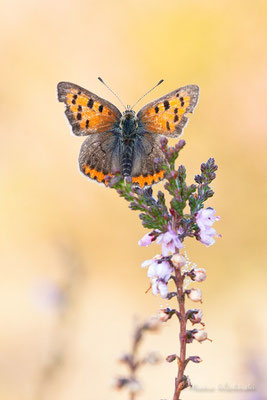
(201, 335)
(195, 295)
(165, 314)
(134, 386)
(195, 359)
(198, 274)
(178, 260)
(171, 358)
(147, 239)
(120, 382)
(152, 358)
(163, 141)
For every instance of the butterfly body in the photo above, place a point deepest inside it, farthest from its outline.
(127, 143)
(129, 131)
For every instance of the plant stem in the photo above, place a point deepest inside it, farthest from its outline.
(132, 395)
(179, 380)
(134, 362)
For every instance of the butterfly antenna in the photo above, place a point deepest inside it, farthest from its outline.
(148, 92)
(101, 80)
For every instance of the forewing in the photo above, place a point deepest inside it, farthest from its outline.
(86, 112)
(168, 114)
(100, 156)
(145, 171)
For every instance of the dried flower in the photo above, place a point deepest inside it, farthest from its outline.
(169, 242)
(195, 316)
(165, 314)
(195, 294)
(204, 219)
(198, 274)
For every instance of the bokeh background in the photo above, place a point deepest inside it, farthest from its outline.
(71, 284)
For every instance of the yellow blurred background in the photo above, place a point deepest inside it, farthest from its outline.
(61, 233)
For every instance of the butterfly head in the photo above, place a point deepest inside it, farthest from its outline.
(128, 121)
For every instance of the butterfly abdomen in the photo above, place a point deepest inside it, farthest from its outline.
(128, 125)
(127, 159)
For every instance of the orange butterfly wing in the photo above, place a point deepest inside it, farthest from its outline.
(86, 112)
(168, 114)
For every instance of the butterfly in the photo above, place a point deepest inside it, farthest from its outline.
(126, 142)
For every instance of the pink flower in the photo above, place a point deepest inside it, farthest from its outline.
(147, 239)
(159, 273)
(169, 242)
(204, 219)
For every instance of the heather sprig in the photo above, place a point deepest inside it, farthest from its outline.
(134, 361)
(154, 212)
(170, 222)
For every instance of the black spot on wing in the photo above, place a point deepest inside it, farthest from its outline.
(90, 103)
(166, 105)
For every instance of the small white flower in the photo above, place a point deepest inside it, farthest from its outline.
(195, 295)
(201, 335)
(159, 287)
(159, 273)
(198, 274)
(178, 260)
